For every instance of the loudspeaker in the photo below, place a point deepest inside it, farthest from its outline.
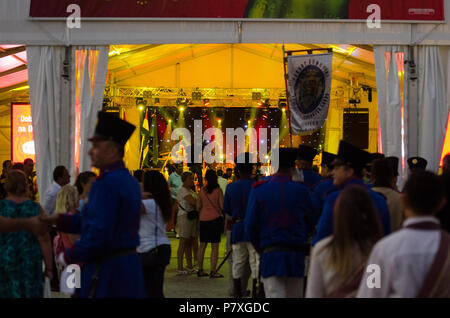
(356, 127)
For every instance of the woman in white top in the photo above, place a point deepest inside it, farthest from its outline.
(188, 229)
(154, 245)
(338, 261)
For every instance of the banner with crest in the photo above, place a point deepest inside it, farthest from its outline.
(309, 85)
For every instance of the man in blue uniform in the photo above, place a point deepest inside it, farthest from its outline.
(235, 205)
(304, 163)
(326, 186)
(109, 223)
(348, 171)
(278, 222)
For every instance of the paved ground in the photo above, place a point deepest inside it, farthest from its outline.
(192, 286)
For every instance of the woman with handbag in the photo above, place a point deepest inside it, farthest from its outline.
(210, 204)
(154, 247)
(187, 220)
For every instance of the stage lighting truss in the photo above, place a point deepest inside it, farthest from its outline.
(194, 97)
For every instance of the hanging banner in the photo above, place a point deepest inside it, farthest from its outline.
(309, 84)
(412, 10)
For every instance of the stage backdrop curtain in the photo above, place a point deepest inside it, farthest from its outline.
(90, 68)
(392, 94)
(50, 114)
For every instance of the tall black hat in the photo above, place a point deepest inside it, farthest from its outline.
(394, 162)
(287, 157)
(327, 159)
(352, 155)
(306, 153)
(417, 163)
(110, 127)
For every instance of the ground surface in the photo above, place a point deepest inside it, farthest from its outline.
(192, 286)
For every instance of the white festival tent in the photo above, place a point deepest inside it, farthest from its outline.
(66, 69)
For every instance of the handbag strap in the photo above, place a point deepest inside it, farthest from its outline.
(219, 209)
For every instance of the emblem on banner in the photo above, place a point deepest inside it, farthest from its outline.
(309, 88)
(309, 85)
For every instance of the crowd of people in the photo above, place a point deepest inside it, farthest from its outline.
(296, 233)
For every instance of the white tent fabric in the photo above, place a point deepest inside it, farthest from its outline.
(64, 109)
(432, 105)
(46, 83)
(387, 67)
(91, 65)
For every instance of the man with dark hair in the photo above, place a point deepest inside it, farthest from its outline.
(394, 163)
(383, 182)
(109, 222)
(368, 167)
(278, 221)
(61, 177)
(7, 165)
(304, 164)
(348, 171)
(414, 261)
(234, 205)
(446, 164)
(28, 167)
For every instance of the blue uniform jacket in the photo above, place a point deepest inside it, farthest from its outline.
(311, 179)
(109, 222)
(235, 205)
(279, 212)
(325, 226)
(321, 192)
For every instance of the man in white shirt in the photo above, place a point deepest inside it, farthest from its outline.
(175, 182)
(221, 181)
(414, 261)
(61, 177)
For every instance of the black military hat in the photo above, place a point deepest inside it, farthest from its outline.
(306, 153)
(110, 127)
(352, 155)
(372, 158)
(417, 163)
(394, 162)
(287, 157)
(328, 158)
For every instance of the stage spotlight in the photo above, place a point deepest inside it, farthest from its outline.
(181, 109)
(282, 103)
(283, 109)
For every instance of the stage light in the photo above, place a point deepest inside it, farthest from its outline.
(249, 122)
(206, 102)
(284, 109)
(220, 120)
(181, 109)
(170, 120)
(141, 108)
(282, 103)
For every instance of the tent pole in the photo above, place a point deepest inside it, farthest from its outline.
(288, 111)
